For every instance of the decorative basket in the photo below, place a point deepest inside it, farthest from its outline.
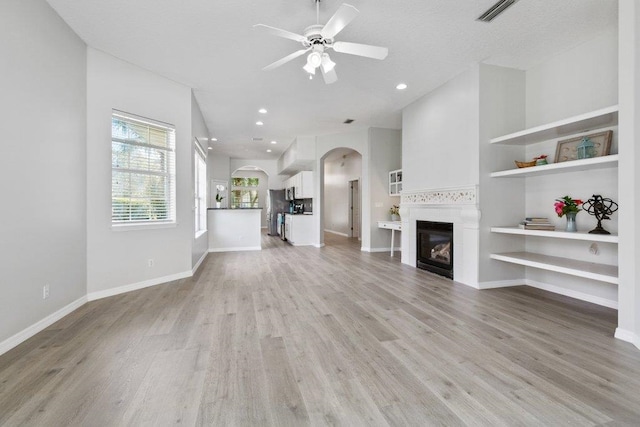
(525, 164)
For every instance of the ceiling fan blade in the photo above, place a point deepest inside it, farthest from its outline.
(329, 76)
(286, 59)
(339, 20)
(281, 33)
(375, 52)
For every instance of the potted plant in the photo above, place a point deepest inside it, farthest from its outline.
(219, 198)
(395, 213)
(566, 206)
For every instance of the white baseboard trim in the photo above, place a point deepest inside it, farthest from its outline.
(363, 249)
(336, 232)
(40, 325)
(571, 293)
(501, 284)
(301, 244)
(318, 245)
(200, 261)
(246, 248)
(628, 336)
(135, 286)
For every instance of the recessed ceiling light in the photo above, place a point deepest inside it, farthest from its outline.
(268, 151)
(401, 86)
(214, 139)
(262, 111)
(259, 123)
(274, 142)
(210, 148)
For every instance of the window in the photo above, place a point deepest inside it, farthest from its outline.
(200, 187)
(245, 192)
(143, 168)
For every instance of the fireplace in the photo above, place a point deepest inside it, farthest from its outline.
(434, 248)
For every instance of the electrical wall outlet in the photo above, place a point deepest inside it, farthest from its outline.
(150, 262)
(45, 291)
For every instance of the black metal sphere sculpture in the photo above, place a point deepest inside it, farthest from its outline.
(601, 208)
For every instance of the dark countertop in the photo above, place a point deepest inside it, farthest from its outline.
(231, 209)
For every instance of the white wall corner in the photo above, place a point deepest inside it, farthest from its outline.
(39, 326)
(200, 261)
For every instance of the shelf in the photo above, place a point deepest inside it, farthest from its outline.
(572, 125)
(588, 270)
(580, 235)
(602, 162)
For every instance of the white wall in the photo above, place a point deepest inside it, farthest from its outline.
(440, 136)
(629, 184)
(337, 174)
(200, 245)
(42, 178)
(502, 201)
(582, 79)
(116, 259)
(385, 149)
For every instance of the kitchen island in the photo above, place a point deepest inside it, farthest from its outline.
(234, 229)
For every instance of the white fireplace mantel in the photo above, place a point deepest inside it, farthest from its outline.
(458, 206)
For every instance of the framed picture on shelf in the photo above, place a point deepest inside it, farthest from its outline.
(568, 149)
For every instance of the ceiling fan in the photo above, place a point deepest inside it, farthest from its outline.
(319, 38)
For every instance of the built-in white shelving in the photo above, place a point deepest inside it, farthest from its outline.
(605, 117)
(588, 270)
(581, 123)
(602, 162)
(580, 235)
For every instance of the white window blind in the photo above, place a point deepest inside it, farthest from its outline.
(143, 185)
(200, 187)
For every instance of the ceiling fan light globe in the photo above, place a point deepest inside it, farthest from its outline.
(309, 68)
(327, 63)
(314, 59)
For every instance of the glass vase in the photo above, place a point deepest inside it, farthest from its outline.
(571, 222)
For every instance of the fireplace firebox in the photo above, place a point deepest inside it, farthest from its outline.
(434, 249)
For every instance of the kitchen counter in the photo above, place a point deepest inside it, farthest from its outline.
(234, 229)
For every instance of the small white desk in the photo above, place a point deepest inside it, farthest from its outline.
(393, 226)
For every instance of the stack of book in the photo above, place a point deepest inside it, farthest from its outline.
(534, 223)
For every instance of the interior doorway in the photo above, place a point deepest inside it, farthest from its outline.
(354, 208)
(341, 194)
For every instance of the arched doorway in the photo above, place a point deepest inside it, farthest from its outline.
(341, 180)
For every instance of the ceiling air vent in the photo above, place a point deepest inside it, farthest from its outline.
(348, 121)
(257, 139)
(495, 10)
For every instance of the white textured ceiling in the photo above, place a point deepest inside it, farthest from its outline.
(210, 45)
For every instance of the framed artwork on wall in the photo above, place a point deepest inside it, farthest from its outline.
(567, 149)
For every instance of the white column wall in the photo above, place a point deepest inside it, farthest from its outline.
(629, 183)
(42, 178)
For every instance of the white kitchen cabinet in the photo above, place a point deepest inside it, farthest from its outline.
(299, 229)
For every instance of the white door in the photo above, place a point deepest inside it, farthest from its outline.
(354, 208)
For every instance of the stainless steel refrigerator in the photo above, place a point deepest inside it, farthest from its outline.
(276, 203)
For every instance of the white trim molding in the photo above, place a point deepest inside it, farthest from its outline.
(628, 336)
(135, 286)
(40, 325)
(445, 197)
(200, 261)
(247, 248)
(501, 284)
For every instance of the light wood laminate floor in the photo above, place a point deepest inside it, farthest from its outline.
(294, 336)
